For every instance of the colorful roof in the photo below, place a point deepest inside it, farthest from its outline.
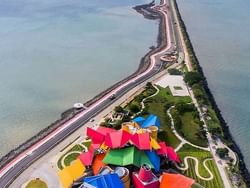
(172, 155)
(105, 181)
(163, 149)
(175, 181)
(141, 141)
(96, 137)
(139, 120)
(76, 169)
(152, 120)
(71, 173)
(105, 130)
(87, 157)
(65, 178)
(154, 158)
(127, 156)
(98, 163)
(117, 139)
(168, 151)
(154, 144)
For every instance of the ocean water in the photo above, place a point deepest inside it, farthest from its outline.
(54, 53)
(220, 33)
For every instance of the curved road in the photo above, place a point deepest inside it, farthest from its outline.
(25, 159)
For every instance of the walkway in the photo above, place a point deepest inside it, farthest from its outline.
(211, 176)
(143, 100)
(183, 140)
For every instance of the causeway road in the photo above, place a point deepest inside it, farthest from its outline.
(13, 169)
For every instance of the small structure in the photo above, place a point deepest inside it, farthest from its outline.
(123, 174)
(153, 131)
(78, 106)
(145, 178)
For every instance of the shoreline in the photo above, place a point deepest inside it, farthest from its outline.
(71, 112)
(227, 134)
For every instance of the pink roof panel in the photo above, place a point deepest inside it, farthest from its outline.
(172, 155)
(117, 139)
(168, 151)
(163, 149)
(86, 158)
(141, 141)
(105, 130)
(96, 137)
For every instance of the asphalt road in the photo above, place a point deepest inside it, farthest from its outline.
(7, 178)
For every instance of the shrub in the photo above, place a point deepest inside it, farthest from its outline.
(134, 108)
(192, 78)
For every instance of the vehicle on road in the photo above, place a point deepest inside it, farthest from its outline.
(113, 96)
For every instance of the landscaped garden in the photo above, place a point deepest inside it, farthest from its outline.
(159, 105)
(72, 154)
(209, 162)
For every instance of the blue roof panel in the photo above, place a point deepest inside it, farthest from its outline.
(152, 120)
(104, 181)
(139, 120)
(154, 158)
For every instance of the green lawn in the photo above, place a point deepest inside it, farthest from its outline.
(190, 128)
(201, 156)
(36, 184)
(87, 143)
(157, 105)
(166, 133)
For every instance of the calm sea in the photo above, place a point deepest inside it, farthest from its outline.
(54, 53)
(220, 33)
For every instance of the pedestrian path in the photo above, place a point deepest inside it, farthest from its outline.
(183, 140)
(143, 100)
(186, 166)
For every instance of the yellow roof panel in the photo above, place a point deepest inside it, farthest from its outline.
(154, 144)
(76, 169)
(65, 178)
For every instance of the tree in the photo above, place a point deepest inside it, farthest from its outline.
(118, 109)
(215, 131)
(149, 85)
(184, 107)
(222, 152)
(201, 134)
(192, 78)
(174, 71)
(134, 108)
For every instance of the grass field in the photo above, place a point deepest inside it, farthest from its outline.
(166, 134)
(201, 156)
(36, 184)
(191, 128)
